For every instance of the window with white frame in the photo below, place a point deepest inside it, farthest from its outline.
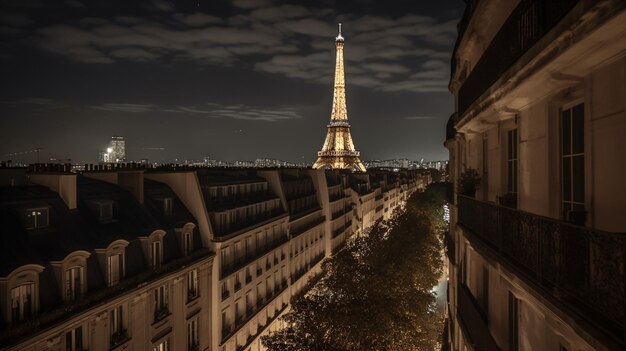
(114, 269)
(37, 218)
(192, 285)
(74, 339)
(193, 342)
(73, 283)
(22, 302)
(156, 254)
(161, 302)
(573, 161)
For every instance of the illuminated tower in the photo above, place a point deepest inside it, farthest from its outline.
(338, 151)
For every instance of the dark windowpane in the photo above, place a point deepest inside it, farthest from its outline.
(514, 143)
(578, 135)
(567, 179)
(514, 179)
(578, 178)
(509, 146)
(565, 132)
(510, 175)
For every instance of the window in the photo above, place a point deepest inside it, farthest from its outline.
(573, 163)
(485, 295)
(512, 161)
(74, 340)
(118, 333)
(37, 218)
(248, 304)
(187, 243)
(105, 211)
(114, 263)
(22, 304)
(237, 282)
(193, 342)
(225, 325)
(514, 306)
(224, 257)
(167, 205)
(192, 285)
(225, 292)
(156, 253)
(160, 302)
(162, 346)
(73, 283)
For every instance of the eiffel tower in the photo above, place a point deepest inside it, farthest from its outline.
(338, 151)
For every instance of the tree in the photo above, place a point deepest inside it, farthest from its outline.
(376, 294)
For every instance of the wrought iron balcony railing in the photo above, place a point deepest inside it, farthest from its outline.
(580, 267)
(529, 22)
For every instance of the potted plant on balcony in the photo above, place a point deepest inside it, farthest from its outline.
(468, 182)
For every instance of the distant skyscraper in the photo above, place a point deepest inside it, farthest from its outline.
(338, 151)
(115, 152)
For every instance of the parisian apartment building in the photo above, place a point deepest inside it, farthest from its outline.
(118, 257)
(537, 245)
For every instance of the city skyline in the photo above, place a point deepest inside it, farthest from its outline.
(182, 101)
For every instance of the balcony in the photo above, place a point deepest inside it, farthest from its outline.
(240, 263)
(248, 222)
(528, 23)
(578, 268)
(118, 338)
(305, 227)
(340, 213)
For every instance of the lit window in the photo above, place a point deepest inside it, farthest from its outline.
(37, 218)
(22, 303)
(74, 340)
(193, 341)
(156, 254)
(192, 285)
(160, 302)
(73, 283)
(115, 271)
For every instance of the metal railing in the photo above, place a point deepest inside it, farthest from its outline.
(581, 267)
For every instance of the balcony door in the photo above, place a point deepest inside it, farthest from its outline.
(573, 164)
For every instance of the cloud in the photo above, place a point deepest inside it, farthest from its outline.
(241, 112)
(133, 108)
(418, 117)
(383, 53)
(74, 3)
(251, 4)
(197, 19)
(213, 110)
(15, 19)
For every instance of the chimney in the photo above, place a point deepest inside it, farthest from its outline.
(64, 183)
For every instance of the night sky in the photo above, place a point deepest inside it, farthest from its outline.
(232, 80)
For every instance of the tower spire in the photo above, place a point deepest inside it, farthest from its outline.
(338, 151)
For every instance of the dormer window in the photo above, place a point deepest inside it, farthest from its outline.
(103, 210)
(73, 283)
(187, 243)
(156, 254)
(114, 268)
(22, 302)
(37, 218)
(168, 205)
